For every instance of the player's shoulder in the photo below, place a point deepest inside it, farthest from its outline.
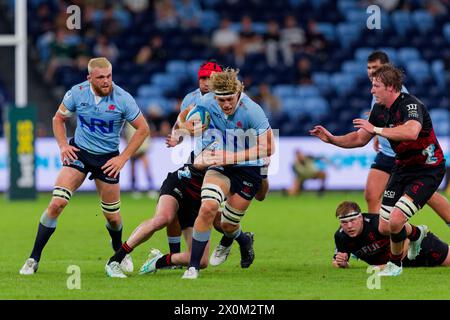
(80, 88)
(340, 235)
(407, 99)
(121, 94)
(371, 217)
(206, 99)
(193, 95)
(251, 107)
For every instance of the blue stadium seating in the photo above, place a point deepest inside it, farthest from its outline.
(419, 70)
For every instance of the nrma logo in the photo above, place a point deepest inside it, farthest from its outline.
(102, 125)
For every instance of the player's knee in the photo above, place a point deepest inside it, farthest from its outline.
(212, 193)
(396, 221)
(228, 227)
(407, 207)
(111, 209)
(55, 207)
(231, 216)
(60, 199)
(209, 209)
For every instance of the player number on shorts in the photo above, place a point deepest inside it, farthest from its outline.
(429, 152)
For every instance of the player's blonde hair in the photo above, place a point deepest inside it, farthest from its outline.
(226, 82)
(100, 62)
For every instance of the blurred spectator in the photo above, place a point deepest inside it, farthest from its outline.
(136, 6)
(292, 38)
(388, 5)
(271, 41)
(305, 168)
(316, 43)
(105, 48)
(62, 51)
(224, 39)
(165, 14)
(110, 25)
(267, 100)
(303, 73)
(248, 38)
(436, 7)
(189, 13)
(153, 52)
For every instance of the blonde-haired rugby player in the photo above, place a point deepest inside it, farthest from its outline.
(101, 108)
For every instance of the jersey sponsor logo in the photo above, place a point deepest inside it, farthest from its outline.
(102, 125)
(248, 184)
(77, 163)
(412, 111)
(429, 152)
(185, 173)
(178, 192)
(389, 194)
(246, 190)
(111, 107)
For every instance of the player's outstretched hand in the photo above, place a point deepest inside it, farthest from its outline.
(364, 124)
(321, 133)
(113, 166)
(68, 153)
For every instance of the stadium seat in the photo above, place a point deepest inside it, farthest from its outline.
(148, 91)
(176, 67)
(321, 80)
(358, 16)
(342, 82)
(357, 68)
(423, 21)
(392, 54)
(446, 31)
(327, 29)
(348, 33)
(307, 91)
(346, 5)
(408, 54)
(209, 21)
(401, 21)
(164, 81)
(362, 53)
(316, 107)
(284, 90)
(419, 70)
(438, 72)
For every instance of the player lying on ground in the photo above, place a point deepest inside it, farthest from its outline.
(358, 235)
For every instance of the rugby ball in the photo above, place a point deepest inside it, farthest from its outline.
(199, 114)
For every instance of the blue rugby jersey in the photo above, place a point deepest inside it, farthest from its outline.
(99, 124)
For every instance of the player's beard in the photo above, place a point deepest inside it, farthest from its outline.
(100, 91)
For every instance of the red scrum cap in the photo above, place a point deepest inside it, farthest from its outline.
(207, 68)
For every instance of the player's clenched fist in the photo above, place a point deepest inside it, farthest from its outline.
(341, 260)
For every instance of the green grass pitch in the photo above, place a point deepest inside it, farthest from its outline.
(293, 247)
